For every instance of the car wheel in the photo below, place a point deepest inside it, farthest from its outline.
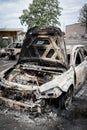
(7, 57)
(65, 100)
(17, 56)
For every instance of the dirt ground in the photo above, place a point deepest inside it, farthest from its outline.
(75, 119)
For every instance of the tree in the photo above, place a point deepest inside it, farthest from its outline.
(41, 12)
(83, 16)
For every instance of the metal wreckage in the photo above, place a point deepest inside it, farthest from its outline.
(41, 74)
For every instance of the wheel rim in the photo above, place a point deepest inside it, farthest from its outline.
(17, 56)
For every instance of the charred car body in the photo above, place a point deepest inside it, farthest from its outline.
(41, 74)
(4, 42)
(13, 50)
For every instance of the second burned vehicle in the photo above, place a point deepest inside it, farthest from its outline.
(13, 50)
(41, 74)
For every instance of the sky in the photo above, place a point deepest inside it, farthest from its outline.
(11, 10)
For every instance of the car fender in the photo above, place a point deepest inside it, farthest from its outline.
(62, 82)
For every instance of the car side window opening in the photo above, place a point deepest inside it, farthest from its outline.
(85, 53)
(78, 59)
(68, 57)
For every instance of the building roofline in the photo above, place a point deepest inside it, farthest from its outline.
(11, 29)
(72, 24)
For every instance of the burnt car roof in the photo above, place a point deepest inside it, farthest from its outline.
(49, 30)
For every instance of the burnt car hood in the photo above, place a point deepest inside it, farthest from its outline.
(30, 78)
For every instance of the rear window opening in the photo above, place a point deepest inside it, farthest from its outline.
(41, 42)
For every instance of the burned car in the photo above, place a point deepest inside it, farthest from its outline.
(42, 73)
(4, 42)
(13, 50)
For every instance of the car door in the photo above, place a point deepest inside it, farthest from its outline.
(85, 61)
(79, 68)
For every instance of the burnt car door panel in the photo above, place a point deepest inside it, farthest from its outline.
(76, 55)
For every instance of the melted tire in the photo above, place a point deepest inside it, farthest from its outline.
(65, 100)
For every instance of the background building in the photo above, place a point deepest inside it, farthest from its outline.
(75, 33)
(10, 32)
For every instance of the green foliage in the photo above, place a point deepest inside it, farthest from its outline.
(41, 12)
(83, 16)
